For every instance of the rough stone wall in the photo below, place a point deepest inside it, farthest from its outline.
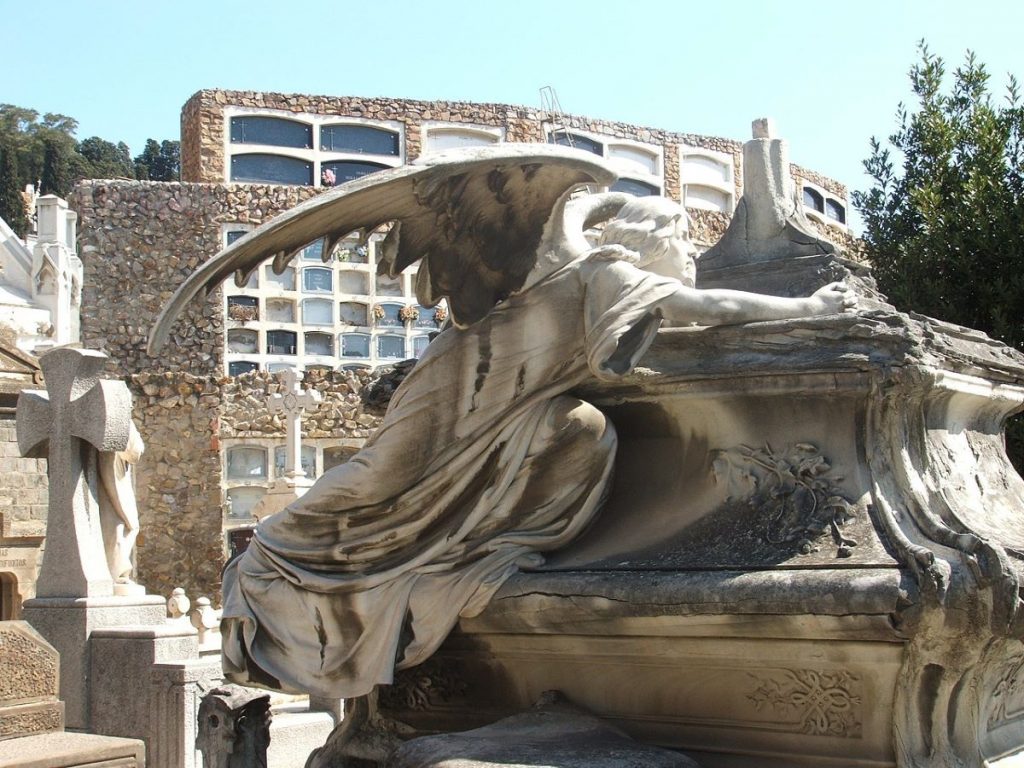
(351, 406)
(203, 131)
(203, 126)
(138, 242)
(24, 492)
(707, 227)
(829, 185)
(178, 483)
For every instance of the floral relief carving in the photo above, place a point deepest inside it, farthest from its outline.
(797, 490)
(826, 703)
(418, 688)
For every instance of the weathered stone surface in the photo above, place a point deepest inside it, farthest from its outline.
(553, 735)
(234, 727)
(68, 623)
(29, 683)
(69, 750)
(769, 223)
(77, 419)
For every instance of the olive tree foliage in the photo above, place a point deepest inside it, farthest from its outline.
(944, 218)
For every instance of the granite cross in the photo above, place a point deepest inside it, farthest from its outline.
(292, 402)
(76, 417)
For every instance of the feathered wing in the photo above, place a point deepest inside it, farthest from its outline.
(475, 217)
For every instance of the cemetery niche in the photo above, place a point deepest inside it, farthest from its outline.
(809, 552)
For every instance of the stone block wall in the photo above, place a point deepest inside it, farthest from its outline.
(184, 420)
(24, 495)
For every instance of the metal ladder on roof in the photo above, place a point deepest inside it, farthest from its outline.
(549, 103)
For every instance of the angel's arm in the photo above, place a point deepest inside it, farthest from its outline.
(726, 307)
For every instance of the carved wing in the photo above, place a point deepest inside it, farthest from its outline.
(475, 217)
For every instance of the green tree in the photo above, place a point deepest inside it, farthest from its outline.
(106, 160)
(56, 176)
(158, 161)
(944, 219)
(12, 205)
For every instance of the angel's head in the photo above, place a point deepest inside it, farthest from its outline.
(658, 229)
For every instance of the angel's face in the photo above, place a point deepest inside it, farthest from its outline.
(678, 259)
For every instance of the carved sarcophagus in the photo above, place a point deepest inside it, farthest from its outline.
(811, 555)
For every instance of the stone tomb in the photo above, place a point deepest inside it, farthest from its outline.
(811, 554)
(32, 717)
(28, 686)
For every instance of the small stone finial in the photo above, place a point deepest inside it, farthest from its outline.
(206, 620)
(763, 128)
(178, 603)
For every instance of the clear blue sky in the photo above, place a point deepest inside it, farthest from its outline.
(830, 73)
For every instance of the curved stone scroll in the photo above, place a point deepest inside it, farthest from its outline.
(944, 492)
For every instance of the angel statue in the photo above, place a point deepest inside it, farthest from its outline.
(485, 459)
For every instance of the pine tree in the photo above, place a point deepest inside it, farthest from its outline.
(12, 204)
(56, 176)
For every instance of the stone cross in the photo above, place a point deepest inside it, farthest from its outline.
(78, 416)
(292, 402)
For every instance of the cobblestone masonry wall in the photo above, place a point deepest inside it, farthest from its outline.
(177, 483)
(351, 407)
(203, 132)
(138, 241)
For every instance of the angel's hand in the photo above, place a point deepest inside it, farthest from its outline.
(832, 299)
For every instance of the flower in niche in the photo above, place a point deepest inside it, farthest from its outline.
(327, 178)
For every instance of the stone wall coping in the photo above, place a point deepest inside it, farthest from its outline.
(146, 631)
(85, 603)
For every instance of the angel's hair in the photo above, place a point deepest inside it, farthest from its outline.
(645, 225)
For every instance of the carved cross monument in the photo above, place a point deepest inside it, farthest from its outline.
(292, 402)
(78, 416)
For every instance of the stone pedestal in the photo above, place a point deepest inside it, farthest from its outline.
(175, 691)
(68, 624)
(121, 661)
(811, 556)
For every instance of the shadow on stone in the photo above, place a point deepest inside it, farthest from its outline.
(554, 734)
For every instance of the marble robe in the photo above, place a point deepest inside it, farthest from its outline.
(473, 473)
